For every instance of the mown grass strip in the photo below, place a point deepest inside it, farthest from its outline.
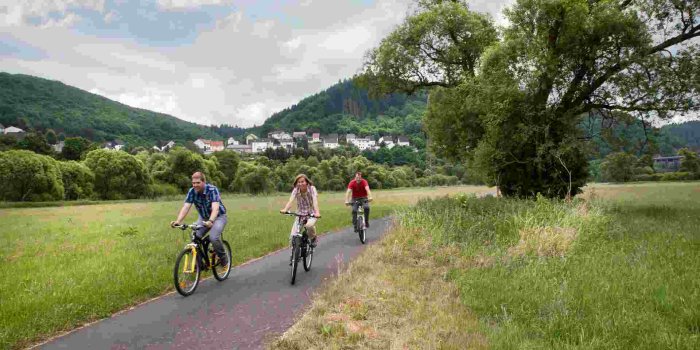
(64, 266)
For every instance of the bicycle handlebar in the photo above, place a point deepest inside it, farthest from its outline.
(185, 226)
(291, 213)
(359, 200)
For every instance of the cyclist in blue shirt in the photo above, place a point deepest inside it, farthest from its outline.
(212, 212)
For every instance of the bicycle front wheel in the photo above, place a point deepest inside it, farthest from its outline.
(186, 273)
(221, 272)
(296, 247)
(308, 257)
(361, 229)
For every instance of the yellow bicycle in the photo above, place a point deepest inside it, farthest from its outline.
(198, 255)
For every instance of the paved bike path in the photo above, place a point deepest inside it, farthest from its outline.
(255, 304)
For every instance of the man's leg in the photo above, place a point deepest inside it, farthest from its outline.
(355, 205)
(366, 208)
(215, 237)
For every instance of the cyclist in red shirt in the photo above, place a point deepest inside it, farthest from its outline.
(359, 188)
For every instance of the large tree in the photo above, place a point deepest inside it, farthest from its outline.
(515, 116)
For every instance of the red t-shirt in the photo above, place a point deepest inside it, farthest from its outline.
(358, 189)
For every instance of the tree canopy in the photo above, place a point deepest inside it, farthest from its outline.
(515, 115)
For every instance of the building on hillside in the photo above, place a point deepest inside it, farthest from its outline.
(242, 149)
(217, 146)
(349, 138)
(231, 141)
(250, 138)
(209, 146)
(388, 142)
(13, 131)
(672, 163)
(58, 147)
(402, 141)
(278, 135)
(315, 138)
(116, 145)
(168, 146)
(299, 135)
(331, 141)
(259, 146)
(287, 143)
(366, 143)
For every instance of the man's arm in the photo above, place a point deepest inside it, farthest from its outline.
(347, 195)
(214, 214)
(369, 193)
(183, 213)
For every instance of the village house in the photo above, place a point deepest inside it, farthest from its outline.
(278, 135)
(231, 141)
(667, 164)
(58, 148)
(250, 138)
(209, 146)
(16, 132)
(315, 138)
(388, 141)
(242, 149)
(402, 141)
(299, 135)
(259, 146)
(116, 145)
(364, 143)
(331, 141)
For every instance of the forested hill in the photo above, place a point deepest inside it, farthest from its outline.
(688, 132)
(33, 103)
(347, 108)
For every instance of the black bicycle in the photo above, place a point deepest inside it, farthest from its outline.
(360, 226)
(301, 246)
(197, 256)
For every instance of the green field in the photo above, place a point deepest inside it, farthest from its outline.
(617, 268)
(67, 265)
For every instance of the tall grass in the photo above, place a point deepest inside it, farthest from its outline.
(64, 266)
(613, 273)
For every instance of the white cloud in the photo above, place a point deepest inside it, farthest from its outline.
(16, 13)
(348, 40)
(262, 29)
(187, 4)
(68, 21)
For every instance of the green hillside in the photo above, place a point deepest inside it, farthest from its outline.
(34, 103)
(347, 108)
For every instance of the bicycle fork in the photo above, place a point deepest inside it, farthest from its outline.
(190, 263)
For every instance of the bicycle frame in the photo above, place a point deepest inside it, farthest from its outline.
(197, 245)
(360, 214)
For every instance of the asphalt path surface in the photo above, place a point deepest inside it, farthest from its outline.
(246, 311)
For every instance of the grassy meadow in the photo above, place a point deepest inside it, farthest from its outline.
(67, 265)
(616, 268)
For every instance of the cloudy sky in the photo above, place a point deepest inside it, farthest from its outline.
(205, 61)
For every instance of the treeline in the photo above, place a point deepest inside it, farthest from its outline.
(108, 174)
(625, 167)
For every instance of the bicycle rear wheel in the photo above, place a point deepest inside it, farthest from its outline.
(296, 247)
(186, 273)
(221, 272)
